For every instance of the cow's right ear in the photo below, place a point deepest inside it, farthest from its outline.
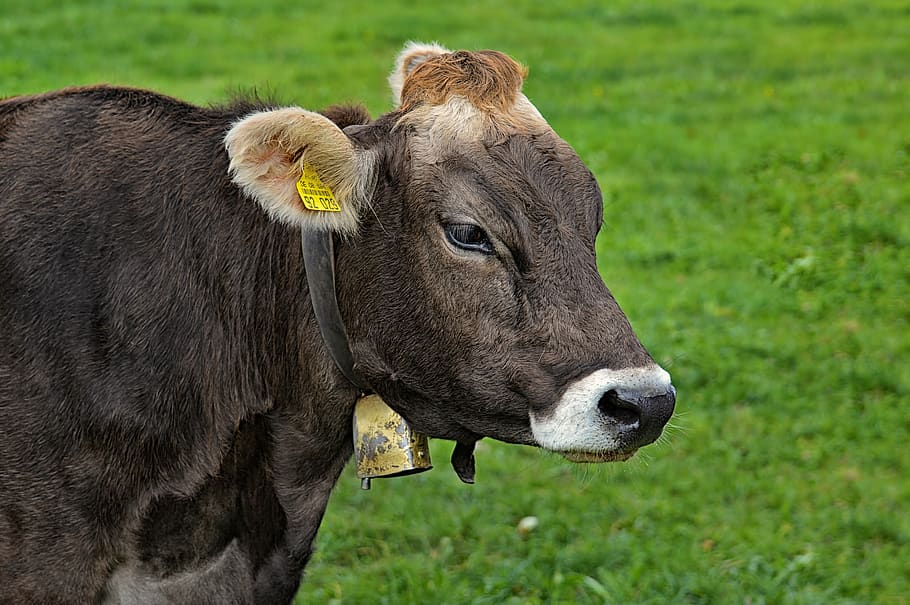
(412, 55)
(269, 152)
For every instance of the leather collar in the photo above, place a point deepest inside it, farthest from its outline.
(319, 261)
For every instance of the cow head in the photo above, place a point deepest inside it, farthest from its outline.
(466, 262)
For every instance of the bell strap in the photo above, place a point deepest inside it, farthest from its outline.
(319, 262)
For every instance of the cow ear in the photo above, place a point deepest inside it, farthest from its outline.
(269, 152)
(412, 55)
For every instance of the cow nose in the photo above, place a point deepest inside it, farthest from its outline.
(643, 416)
(607, 413)
(620, 410)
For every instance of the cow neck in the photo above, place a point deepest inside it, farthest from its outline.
(319, 262)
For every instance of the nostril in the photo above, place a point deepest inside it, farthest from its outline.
(624, 412)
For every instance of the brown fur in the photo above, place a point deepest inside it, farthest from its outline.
(347, 115)
(171, 422)
(489, 79)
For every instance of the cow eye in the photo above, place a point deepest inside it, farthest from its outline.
(469, 237)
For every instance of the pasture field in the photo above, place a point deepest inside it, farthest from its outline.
(755, 163)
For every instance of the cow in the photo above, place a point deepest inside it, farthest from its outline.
(172, 421)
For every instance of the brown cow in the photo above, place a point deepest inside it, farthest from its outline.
(171, 421)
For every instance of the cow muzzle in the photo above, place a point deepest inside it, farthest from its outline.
(607, 415)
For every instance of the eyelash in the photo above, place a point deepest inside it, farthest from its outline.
(469, 237)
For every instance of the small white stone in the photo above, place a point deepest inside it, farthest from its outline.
(527, 525)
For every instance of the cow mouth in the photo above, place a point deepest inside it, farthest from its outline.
(597, 457)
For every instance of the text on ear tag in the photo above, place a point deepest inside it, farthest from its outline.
(314, 194)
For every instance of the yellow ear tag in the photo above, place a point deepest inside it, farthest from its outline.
(314, 194)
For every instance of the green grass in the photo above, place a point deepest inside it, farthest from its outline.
(755, 163)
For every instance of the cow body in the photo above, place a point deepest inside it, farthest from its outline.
(172, 424)
(157, 353)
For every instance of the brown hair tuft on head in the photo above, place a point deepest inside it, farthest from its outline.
(488, 79)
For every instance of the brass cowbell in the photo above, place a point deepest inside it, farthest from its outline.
(384, 444)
